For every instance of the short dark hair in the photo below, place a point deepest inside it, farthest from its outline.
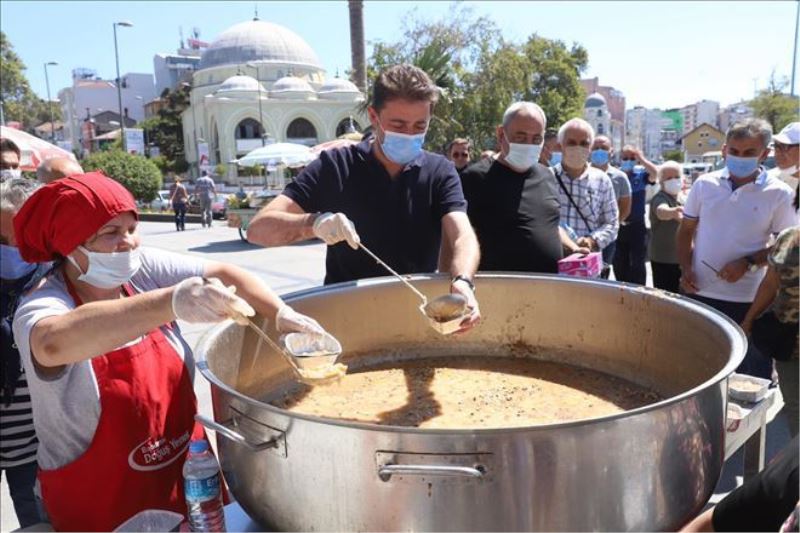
(7, 145)
(403, 82)
(550, 133)
(457, 140)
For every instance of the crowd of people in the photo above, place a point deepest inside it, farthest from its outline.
(94, 359)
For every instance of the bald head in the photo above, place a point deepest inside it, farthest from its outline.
(57, 168)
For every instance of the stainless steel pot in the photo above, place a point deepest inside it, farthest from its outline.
(645, 469)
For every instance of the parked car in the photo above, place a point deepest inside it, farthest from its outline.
(219, 206)
(161, 203)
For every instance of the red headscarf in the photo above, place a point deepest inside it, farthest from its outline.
(65, 213)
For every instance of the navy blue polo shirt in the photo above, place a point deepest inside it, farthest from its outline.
(639, 181)
(399, 219)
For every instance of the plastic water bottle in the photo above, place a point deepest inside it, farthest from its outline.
(202, 486)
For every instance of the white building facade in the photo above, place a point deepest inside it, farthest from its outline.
(259, 79)
(702, 112)
(90, 96)
(643, 129)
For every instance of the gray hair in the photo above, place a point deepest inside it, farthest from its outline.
(750, 128)
(517, 107)
(14, 193)
(674, 165)
(575, 123)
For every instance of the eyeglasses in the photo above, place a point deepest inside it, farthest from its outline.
(460, 154)
(780, 147)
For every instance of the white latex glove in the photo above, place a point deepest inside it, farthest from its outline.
(196, 300)
(334, 228)
(474, 317)
(289, 321)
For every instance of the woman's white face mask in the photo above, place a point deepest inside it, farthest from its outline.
(108, 270)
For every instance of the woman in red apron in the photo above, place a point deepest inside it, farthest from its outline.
(119, 325)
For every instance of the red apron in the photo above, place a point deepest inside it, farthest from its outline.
(135, 459)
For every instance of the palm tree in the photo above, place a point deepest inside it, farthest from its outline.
(357, 47)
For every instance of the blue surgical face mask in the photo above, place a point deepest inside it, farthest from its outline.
(401, 148)
(741, 167)
(599, 157)
(12, 266)
(627, 165)
(555, 158)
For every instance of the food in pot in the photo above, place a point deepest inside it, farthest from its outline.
(743, 385)
(322, 373)
(467, 392)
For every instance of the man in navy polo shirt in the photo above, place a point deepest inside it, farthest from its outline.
(406, 203)
(631, 252)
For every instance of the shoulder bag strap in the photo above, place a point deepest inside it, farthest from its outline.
(578, 209)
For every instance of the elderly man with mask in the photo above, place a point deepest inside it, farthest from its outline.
(728, 220)
(631, 253)
(588, 203)
(787, 157)
(513, 200)
(602, 152)
(17, 436)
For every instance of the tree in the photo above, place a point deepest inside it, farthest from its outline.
(673, 155)
(481, 74)
(166, 130)
(135, 172)
(20, 103)
(775, 106)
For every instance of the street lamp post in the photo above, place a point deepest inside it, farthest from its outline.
(260, 113)
(124, 24)
(794, 52)
(194, 128)
(49, 101)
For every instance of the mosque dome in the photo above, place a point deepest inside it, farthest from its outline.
(291, 87)
(240, 83)
(595, 100)
(261, 41)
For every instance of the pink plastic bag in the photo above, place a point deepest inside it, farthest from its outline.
(582, 265)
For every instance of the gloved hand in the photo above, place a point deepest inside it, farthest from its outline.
(289, 321)
(334, 228)
(198, 300)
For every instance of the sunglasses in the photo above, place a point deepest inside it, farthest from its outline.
(780, 147)
(460, 154)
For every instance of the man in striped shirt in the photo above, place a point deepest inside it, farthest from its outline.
(588, 203)
(17, 437)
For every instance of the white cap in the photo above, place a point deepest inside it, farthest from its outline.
(789, 135)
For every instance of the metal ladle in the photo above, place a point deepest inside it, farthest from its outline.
(443, 308)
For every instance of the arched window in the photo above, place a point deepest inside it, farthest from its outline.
(347, 125)
(215, 143)
(599, 112)
(301, 131)
(248, 129)
(600, 130)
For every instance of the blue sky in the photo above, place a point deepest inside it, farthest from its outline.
(660, 54)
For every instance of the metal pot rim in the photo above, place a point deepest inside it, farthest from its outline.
(736, 336)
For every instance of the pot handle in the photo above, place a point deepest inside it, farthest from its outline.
(385, 472)
(224, 430)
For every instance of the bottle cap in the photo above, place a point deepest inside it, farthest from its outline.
(198, 446)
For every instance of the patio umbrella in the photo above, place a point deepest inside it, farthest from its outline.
(289, 154)
(330, 145)
(34, 150)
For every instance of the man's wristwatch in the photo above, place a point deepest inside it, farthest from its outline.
(752, 265)
(464, 279)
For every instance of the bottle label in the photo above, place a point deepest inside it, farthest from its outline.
(202, 489)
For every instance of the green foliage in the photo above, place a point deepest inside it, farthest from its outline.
(673, 155)
(20, 103)
(135, 172)
(166, 130)
(481, 74)
(221, 169)
(775, 106)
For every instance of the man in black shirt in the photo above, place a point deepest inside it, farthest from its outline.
(458, 152)
(405, 202)
(513, 200)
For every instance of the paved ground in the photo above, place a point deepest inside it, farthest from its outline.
(292, 268)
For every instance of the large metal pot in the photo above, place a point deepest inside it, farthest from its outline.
(645, 469)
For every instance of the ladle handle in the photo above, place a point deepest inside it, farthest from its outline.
(398, 276)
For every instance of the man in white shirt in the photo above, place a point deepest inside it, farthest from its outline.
(729, 217)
